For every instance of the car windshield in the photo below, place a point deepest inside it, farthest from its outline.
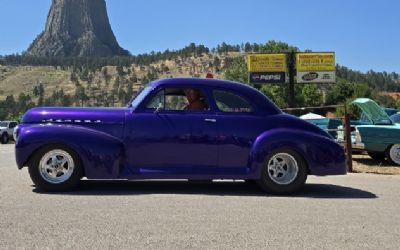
(383, 122)
(138, 98)
(4, 124)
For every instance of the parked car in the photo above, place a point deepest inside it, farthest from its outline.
(7, 130)
(228, 130)
(395, 117)
(379, 136)
(327, 124)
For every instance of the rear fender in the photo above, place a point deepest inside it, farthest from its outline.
(322, 155)
(101, 153)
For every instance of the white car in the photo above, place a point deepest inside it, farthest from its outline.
(7, 130)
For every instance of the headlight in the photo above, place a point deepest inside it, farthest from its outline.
(15, 133)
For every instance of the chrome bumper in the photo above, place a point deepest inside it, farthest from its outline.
(354, 146)
(358, 145)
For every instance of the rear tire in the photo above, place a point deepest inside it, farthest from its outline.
(284, 172)
(55, 168)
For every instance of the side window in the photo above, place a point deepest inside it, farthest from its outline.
(230, 102)
(158, 101)
(191, 99)
(13, 124)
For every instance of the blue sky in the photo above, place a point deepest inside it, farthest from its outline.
(365, 34)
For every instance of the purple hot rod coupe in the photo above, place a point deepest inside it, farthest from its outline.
(196, 129)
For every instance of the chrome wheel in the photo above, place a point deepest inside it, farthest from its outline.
(56, 166)
(394, 153)
(283, 168)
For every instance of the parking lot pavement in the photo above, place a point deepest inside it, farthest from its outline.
(357, 211)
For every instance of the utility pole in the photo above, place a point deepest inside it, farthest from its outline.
(291, 67)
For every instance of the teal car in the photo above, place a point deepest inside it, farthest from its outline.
(381, 137)
(328, 124)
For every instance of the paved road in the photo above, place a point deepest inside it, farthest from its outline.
(358, 211)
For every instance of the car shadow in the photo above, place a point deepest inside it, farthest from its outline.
(373, 163)
(238, 188)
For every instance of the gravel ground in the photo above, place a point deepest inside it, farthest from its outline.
(357, 211)
(364, 164)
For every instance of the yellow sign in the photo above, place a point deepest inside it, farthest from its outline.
(267, 63)
(308, 62)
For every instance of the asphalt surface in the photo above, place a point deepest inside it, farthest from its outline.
(357, 211)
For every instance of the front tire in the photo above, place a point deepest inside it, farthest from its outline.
(4, 138)
(55, 168)
(393, 154)
(284, 171)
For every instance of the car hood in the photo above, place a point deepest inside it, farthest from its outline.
(75, 115)
(1, 128)
(373, 111)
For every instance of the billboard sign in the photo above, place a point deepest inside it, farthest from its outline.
(267, 68)
(316, 67)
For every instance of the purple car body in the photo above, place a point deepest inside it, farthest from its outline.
(137, 142)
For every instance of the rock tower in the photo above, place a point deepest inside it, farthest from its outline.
(77, 28)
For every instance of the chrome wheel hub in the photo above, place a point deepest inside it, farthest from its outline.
(283, 168)
(395, 153)
(56, 166)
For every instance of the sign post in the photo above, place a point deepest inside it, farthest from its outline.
(292, 72)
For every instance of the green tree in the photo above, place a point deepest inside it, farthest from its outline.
(277, 93)
(24, 102)
(80, 95)
(237, 71)
(11, 106)
(340, 93)
(361, 90)
(276, 47)
(3, 110)
(311, 95)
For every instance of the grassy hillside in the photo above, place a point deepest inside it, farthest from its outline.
(17, 79)
(23, 79)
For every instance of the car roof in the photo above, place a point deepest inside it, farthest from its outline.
(263, 104)
(199, 81)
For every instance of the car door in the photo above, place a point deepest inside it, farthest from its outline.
(238, 127)
(165, 139)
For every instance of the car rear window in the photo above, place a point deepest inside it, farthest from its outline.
(230, 102)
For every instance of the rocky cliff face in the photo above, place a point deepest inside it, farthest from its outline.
(77, 28)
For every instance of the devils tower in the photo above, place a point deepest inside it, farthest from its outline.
(77, 28)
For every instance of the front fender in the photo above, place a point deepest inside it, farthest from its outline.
(322, 155)
(101, 153)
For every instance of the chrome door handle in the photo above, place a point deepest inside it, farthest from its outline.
(210, 120)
